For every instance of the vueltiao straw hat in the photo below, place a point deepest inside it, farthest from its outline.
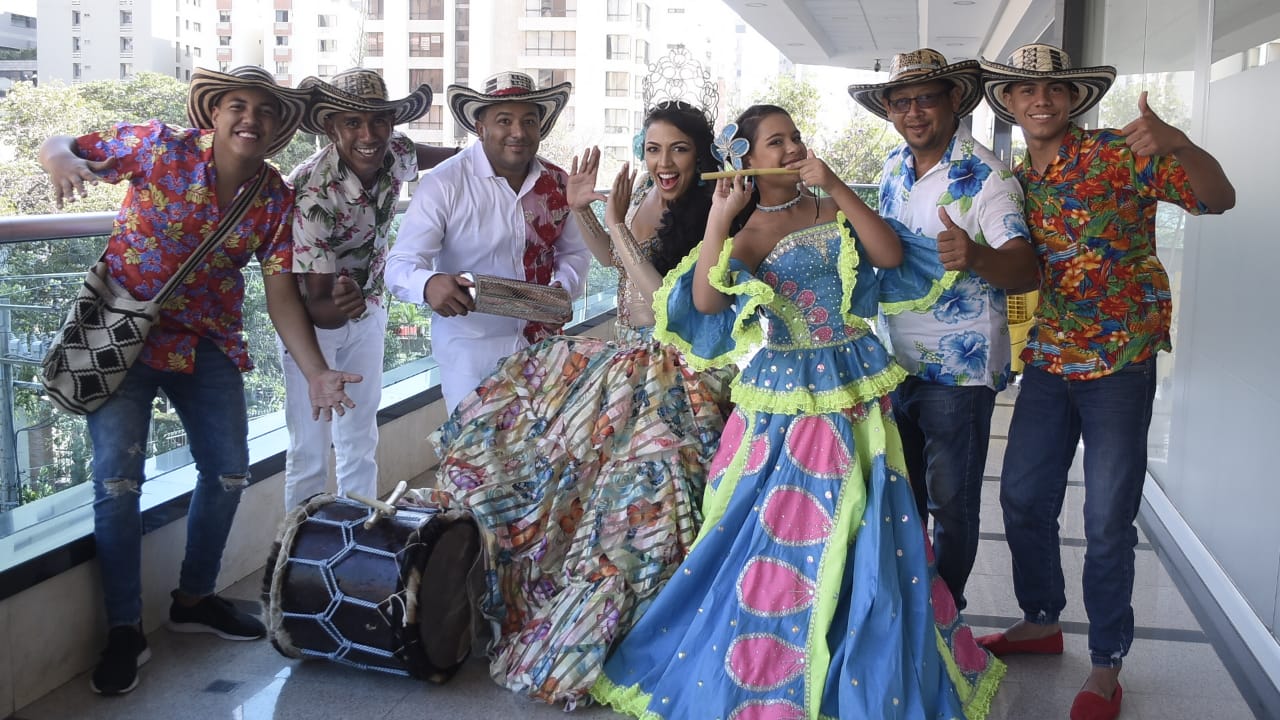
(1044, 62)
(362, 91)
(509, 86)
(208, 86)
(921, 66)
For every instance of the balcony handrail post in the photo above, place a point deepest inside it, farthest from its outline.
(10, 484)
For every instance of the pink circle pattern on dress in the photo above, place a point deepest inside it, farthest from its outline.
(730, 441)
(761, 662)
(772, 588)
(815, 446)
(758, 455)
(944, 606)
(768, 710)
(792, 516)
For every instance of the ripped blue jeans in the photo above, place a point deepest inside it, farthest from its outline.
(210, 403)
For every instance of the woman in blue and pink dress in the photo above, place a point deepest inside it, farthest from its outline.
(808, 591)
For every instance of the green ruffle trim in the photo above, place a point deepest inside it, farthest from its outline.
(808, 402)
(628, 700)
(976, 698)
(847, 265)
(745, 338)
(924, 303)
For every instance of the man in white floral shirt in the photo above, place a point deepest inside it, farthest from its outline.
(346, 198)
(944, 184)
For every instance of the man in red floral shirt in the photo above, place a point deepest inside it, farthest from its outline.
(196, 352)
(1104, 314)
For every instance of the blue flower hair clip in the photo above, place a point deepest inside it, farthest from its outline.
(728, 149)
(637, 145)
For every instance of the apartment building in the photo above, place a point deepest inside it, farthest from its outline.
(291, 38)
(604, 47)
(17, 44)
(80, 40)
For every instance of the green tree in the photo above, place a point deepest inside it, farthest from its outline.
(142, 97)
(857, 153)
(798, 97)
(29, 114)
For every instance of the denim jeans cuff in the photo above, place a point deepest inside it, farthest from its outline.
(1114, 660)
(1043, 617)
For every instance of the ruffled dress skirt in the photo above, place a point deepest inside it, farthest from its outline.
(584, 462)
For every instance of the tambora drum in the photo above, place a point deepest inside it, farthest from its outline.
(393, 596)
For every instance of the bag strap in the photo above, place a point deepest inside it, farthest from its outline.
(226, 225)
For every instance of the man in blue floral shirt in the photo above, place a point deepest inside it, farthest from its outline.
(955, 344)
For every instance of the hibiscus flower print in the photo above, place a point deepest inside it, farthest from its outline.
(967, 177)
(964, 354)
(965, 300)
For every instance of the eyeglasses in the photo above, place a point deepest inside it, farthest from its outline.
(926, 101)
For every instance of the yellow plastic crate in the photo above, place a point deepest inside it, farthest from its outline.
(1021, 309)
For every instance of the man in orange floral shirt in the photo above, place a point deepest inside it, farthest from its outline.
(1090, 372)
(196, 352)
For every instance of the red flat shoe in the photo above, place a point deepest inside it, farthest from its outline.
(1000, 646)
(1092, 706)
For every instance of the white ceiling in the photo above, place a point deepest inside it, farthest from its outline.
(858, 33)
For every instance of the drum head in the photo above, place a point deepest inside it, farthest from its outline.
(445, 607)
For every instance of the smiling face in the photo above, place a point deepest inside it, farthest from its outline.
(245, 120)
(361, 140)
(510, 133)
(671, 158)
(775, 142)
(925, 116)
(1042, 108)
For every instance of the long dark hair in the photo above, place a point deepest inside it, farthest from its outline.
(685, 220)
(748, 124)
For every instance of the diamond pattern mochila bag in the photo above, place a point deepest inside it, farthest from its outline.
(107, 327)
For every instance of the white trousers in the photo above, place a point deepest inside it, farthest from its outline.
(356, 347)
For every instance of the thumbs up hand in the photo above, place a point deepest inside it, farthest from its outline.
(1149, 135)
(956, 249)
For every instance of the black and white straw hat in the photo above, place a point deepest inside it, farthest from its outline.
(510, 86)
(207, 86)
(359, 90)
(921, 66)
(1044, 62)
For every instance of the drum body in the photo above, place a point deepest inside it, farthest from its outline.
(393, 597)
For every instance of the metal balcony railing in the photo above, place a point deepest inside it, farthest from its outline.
(45, 455)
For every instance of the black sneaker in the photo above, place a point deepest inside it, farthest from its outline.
(117, 671)
(215, 615)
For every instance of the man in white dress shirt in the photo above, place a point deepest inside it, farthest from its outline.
(497, 209)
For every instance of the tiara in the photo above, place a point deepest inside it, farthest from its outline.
(677, 77)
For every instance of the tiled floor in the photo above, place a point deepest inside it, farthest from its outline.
(1172, 672)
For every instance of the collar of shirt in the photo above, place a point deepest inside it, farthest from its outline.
(954, 151)
(1070, 150)
(482, 168)
(348, 180)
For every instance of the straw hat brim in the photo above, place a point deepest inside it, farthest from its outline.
(966, 75)
(466, 104)
(327, 99)
(209, 85)
(1091, 84)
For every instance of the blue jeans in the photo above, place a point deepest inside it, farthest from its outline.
(945, 431)
(210, 403)
(1112, 414)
